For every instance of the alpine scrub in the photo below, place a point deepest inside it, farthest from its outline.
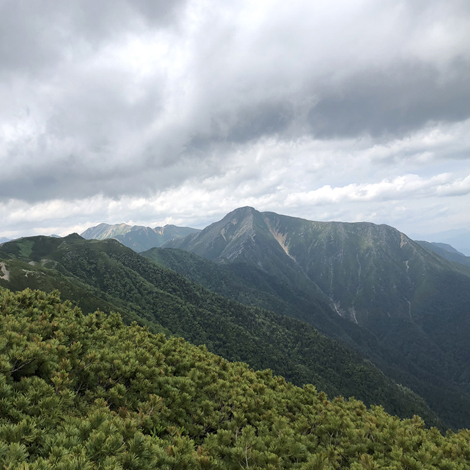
(89, 392)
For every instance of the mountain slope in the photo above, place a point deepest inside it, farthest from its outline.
(137, 237)
(113, 275)
(89, 392)
(372, 275)
(362, 269)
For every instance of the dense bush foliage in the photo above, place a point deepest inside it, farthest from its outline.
(88, 392)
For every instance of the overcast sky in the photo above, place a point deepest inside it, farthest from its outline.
(153, 111)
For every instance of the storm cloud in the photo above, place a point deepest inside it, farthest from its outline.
(179, 111)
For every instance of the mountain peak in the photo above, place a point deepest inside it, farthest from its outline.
(73, 236)
(241, 212)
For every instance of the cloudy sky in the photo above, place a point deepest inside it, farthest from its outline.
(152, 111)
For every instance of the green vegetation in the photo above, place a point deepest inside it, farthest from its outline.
(25, 247)
(115, 278)
(88, 392)
(238, 281)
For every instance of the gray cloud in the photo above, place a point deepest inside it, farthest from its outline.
(396, 101)
(37, 35)
(132, 99)
(382, 103)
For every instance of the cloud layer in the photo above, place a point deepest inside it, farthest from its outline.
(152, 111)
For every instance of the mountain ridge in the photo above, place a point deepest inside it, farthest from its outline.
(309, 265)
(137, 237)
(447, 252)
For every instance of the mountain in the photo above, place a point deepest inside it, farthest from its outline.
(457, 238)
(3, 240)
(137, 237)
(368, 273)
(90, 392)
(447, 252)
(106, 275)
(103, 231)
(408, 299)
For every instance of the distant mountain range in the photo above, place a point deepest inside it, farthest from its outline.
(3, 239)
(447, 252)
(137, 237)
(141, 238)
(459, 239)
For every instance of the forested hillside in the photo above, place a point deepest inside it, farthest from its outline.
(109, 276)
(89, 392)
